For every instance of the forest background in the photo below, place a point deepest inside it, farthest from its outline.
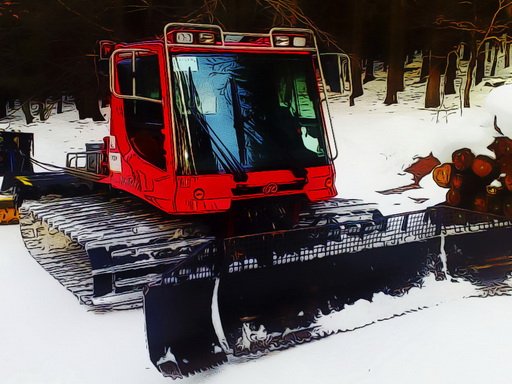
(49, 49)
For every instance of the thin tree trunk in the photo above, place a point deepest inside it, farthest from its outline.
(488, 51)
(469, 81)
(432, 95)
(401, 80)
(494, 60)
(425, 65)
(41, 110)
(59, 104)
(410, 58)
(394, 84)
(369, 74)
(395, 78)
(356, 71)
(356, 75)
(480, 68)
(507, 55)
(466, 52)
(25, 107)
(3, 107)
(450, 74)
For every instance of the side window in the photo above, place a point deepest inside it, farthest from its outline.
(294, 97)
(138, 78)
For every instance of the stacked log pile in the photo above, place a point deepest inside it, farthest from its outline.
(479, 182)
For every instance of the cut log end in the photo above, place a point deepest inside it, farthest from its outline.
(483, 166)
(463, 159)
(454, 197)
(442, 175)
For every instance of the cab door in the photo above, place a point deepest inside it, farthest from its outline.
(140, 127)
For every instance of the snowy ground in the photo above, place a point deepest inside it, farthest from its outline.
(447, 336)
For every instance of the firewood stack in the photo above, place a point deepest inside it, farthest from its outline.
(480, 183)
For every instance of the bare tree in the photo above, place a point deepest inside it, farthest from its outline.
(286, 13)
(481, 32)
(450, 73)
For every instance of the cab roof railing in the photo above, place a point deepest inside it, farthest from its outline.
(210, 35)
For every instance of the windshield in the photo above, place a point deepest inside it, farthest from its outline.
(236, 113)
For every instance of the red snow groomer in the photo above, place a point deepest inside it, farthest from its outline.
(226, 224)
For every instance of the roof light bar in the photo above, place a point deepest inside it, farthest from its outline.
(206, 38)
(184, 38)
(282, 41)
(299, 41)
(199, 35)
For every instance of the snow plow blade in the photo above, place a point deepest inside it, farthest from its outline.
(271, 289)
(195, 345)
(478, 249)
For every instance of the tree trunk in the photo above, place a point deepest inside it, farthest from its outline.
(356, 75)
(369, 74)
(410, 58)
(432, 96)
(507, 55)
(469, 81)
(358, 13)
(495, 60)
(425, 65)
(470, 71)
(394, 84)
(25, 107)
(395, 78)
(466, 52)
(88, 106)
(3, 107)
(59, 104)
(41, 110)
(450, 74)
(86, 93)
(480, 68)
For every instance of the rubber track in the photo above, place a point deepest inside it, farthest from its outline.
(62, 233)
(59, 233)
(136, 240)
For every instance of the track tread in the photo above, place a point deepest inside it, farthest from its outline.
(60, 234)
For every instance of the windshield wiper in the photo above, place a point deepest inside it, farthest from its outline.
(238, 120)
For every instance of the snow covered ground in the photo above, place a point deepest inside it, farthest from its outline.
(447, 335)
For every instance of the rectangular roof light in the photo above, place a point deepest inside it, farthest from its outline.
(184, 38)
(299, 41)
(282, 41)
